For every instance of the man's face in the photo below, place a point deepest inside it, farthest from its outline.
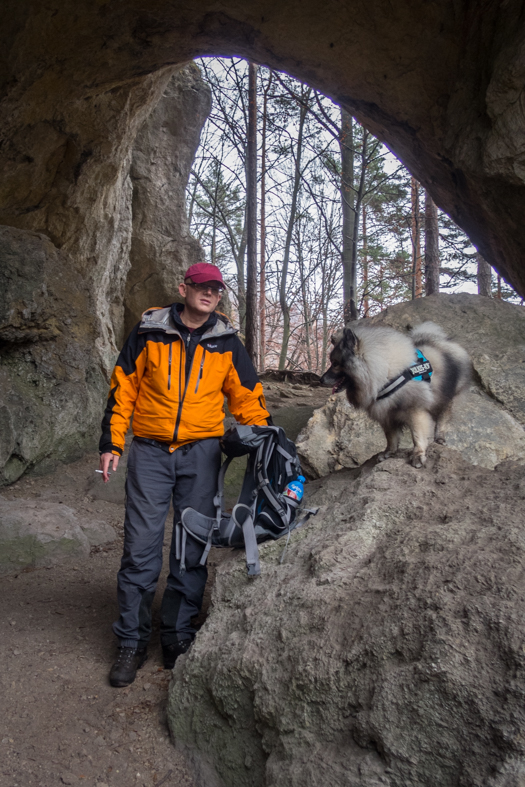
(201, 298)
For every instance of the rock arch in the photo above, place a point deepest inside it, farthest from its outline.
(439, 82)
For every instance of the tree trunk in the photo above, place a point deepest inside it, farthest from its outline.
(325, 337)
(324, 310)
(241, 288)
(431, 247)
(262, 284)
(417, 288)
(316, 344)
(304, 298)
(213, 259)
(484, 276)
(251, 207)
(285, 309)
(346, 145)
(381, 286)
(359, 195)
(366, 302)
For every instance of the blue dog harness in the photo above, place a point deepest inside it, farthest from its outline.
(421, 370)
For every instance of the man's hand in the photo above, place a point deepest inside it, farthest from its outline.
(105, 461)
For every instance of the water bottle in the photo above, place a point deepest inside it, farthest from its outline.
(295, 489)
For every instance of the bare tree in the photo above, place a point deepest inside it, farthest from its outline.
(313, 170)
(431, 246)
(251, 218)
(348, 206)
(366, 300)
(262, 278)
(221, 210)
(289, 233)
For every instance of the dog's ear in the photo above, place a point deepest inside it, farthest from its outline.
(349, 339)
(336, 337)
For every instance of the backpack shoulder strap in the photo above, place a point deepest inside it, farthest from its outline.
(287, 457)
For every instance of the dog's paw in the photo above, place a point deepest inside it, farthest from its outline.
(440, 441)
(387, 454)
(419, 461)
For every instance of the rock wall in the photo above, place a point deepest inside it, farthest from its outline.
(102, 212)
(386, 649)
(51, 382)
(488, 422)
(161, 244)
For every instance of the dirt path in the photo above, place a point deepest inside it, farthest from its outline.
(61, 722)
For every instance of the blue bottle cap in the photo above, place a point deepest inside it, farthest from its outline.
(301, 479)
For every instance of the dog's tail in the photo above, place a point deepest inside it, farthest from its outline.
(428, 333)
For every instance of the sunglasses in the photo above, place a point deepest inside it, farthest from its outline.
(205, 288)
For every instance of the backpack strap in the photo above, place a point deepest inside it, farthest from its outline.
(288, 457)
(229, 530)
(206, 552)
(263, 483)
(200, 527)
(243, 517)
(178, 536)
(182, 564)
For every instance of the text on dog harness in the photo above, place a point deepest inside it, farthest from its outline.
(421, 370)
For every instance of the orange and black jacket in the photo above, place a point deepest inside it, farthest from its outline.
(173, 382)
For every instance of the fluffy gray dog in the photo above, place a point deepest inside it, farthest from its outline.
(400, 380)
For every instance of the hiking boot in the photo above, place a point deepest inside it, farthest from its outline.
(124, 670)
(173, 651)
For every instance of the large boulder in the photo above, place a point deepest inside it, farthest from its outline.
(34, 534)
(338, 435)
(385, 649)
(488, 422)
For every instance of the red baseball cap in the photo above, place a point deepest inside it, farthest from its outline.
(202, 272)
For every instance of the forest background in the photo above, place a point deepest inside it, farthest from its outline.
(312, 220)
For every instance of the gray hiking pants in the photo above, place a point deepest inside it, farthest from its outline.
(188, 476)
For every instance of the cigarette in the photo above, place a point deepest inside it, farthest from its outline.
(101, 471)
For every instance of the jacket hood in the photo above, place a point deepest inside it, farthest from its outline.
(161, 319)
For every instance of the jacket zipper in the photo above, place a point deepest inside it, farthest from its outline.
(181, 399)
(200, 370)
(169, 366)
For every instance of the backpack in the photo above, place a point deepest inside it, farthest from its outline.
(262, 511)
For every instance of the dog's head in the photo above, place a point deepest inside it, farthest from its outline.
(339, 375)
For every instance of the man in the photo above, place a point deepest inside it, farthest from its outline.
(172, 374)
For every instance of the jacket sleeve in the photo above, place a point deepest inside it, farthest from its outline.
(243, 389)
(124, 388)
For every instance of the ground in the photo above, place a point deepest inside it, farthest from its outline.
(62, 723)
